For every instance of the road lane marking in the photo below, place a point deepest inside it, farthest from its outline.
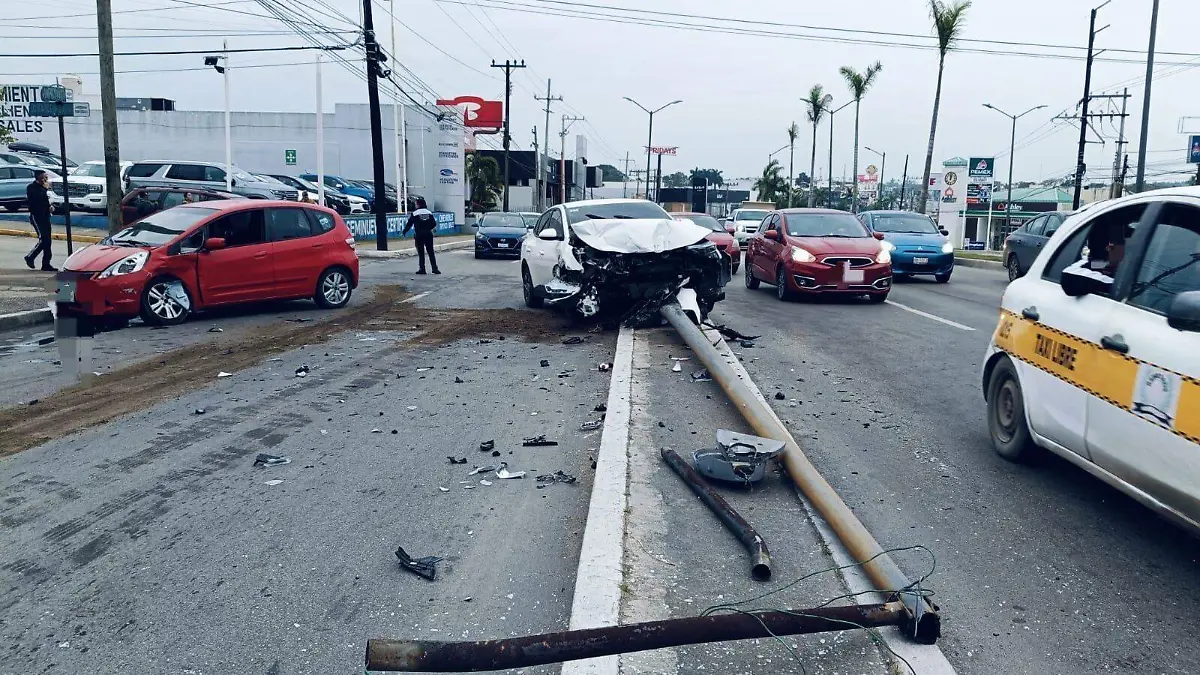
(927, 315)
(598, 580)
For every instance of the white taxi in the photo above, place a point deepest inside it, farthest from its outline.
(1096, 356)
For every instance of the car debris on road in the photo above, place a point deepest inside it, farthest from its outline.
(738, 458)
(538, 441)
(424, 567)
(271, 460)
(504, 473)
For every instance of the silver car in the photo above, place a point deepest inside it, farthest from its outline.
(208, 175)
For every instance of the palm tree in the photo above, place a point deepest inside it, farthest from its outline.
(818, 104)
(793, 131)
(948, 22)
(859, 83)
(485, 181)
(771, 183)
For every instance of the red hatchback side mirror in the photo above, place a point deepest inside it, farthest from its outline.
(877, 235)
(214, 244)
(771, 234)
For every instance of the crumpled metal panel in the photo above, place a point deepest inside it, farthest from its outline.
(639, 235)
(739, 458)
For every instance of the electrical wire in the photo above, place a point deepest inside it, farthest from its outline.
(245, 50)
(56, 17)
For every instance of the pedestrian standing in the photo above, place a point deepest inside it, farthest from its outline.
(38, 199)
(423, 223)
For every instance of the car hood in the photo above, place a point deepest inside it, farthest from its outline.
(639, 235)
(914, 239)
(721, 239)
(827, 245)
(518, 231)
(98, 257)
(84, 180)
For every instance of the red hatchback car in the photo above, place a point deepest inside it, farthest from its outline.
(818, 252)
(723, 240)
(196, 256)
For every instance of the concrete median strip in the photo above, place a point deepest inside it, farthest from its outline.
(28, 318)
(60, 236)
(979, 262)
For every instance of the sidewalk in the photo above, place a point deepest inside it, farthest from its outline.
(79, 235)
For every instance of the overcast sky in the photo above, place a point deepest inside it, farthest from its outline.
(740, 92)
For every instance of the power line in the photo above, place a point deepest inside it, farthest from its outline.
(247, 50)
(211, 5)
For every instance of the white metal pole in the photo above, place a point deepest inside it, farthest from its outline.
(228, 137)
(320, 138)
(398, 122)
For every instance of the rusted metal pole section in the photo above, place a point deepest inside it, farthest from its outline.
(760, 558)
(923, 623)
(430, 656)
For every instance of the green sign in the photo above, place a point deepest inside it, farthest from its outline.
(51, 109)
(981, 167)
(289, 157)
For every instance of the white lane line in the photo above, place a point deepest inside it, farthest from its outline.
(597, 600)
(924, 659)
(416, 297)
(927, 315)
(516, 261)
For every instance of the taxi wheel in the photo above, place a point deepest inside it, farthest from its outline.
(751, 282)
(159, 307)
(1006, 415)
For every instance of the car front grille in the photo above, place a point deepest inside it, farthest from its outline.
(289, 195)
(511, 244)
(750, 228)
(75, 189)
(838, 261)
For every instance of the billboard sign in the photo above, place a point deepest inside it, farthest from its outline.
(979, 195)
(14, 108)
(1194, 150)
(981, 168)
(662, 150)
(477, 112)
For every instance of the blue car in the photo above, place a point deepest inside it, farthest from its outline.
(919, 246)
(346, 187)
(500, 234)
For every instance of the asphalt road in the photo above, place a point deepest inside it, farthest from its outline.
(1039, 569)
(152, 544)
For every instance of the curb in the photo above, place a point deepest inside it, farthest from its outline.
(975, 262)
(412, 252)
(75, 238)
(597, 599)
(27, 318)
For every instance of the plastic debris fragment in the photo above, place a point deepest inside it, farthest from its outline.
(504, 473)
(591, 426)
(271, 460)
(487, 446)
(538, 441)
(701, 375)
(302, 371)
(425, 567)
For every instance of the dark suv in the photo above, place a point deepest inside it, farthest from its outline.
(1026, 242)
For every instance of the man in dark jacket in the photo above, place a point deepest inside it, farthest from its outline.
(423, 222)
(39, 216)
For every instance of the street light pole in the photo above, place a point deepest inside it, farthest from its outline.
(650, 134)
(1012, 147)
(882, 168)
(829, 198)
(228, 136)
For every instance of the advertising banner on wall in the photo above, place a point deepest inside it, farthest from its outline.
(14, 110)
(363, 227)
(449, 187)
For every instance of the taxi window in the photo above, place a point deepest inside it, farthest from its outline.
(1171, 264)
(1101, 239)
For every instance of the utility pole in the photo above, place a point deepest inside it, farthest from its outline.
(108, 113)
(508, 67)
(1141, 171)
(904, 182)
(1113, 193)
(658, 180)
(625, 176)
(320, 135)
(1080, 167)
(397, 120)
(228, 133)
(536, 179)
(374, 72)
(543, 166)
(562, 167)
(1124, 173)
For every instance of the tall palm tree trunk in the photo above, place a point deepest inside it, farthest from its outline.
(854, 176)
(791, 171)
(812, 171)
(937, 102)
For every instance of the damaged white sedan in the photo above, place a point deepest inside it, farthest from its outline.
(619, 256)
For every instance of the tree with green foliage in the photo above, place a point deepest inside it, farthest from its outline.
(949, 21)
(771, 185)
(792, 132)
(611, 174)
(858, 83)
(6, 136)
(675, 180)
(818, 103)
(485, 181)
(713, 176)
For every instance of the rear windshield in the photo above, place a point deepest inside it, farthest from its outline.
(619, 210)
(825, 225)
(502, 220)
(159, 228)
(750, 215)
(903, 222)
(704, 221)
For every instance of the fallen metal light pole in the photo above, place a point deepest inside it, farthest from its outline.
(922, 623)
(430, 656)
(760, 558)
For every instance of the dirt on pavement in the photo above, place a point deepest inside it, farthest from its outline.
(154, 380)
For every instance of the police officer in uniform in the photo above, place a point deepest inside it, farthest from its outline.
(423, 222)
(39, 216)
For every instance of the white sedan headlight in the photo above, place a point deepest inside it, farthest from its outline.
(885, 252)
(801, 255)
(947, 247)
(127, 265)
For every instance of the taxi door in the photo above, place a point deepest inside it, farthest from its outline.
(1144, 421)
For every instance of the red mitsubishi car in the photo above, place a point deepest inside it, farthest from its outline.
(818, 252)
(724, 241)
(195, 256)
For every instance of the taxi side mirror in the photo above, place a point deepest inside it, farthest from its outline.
(1076, 283)
(1184, 312)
